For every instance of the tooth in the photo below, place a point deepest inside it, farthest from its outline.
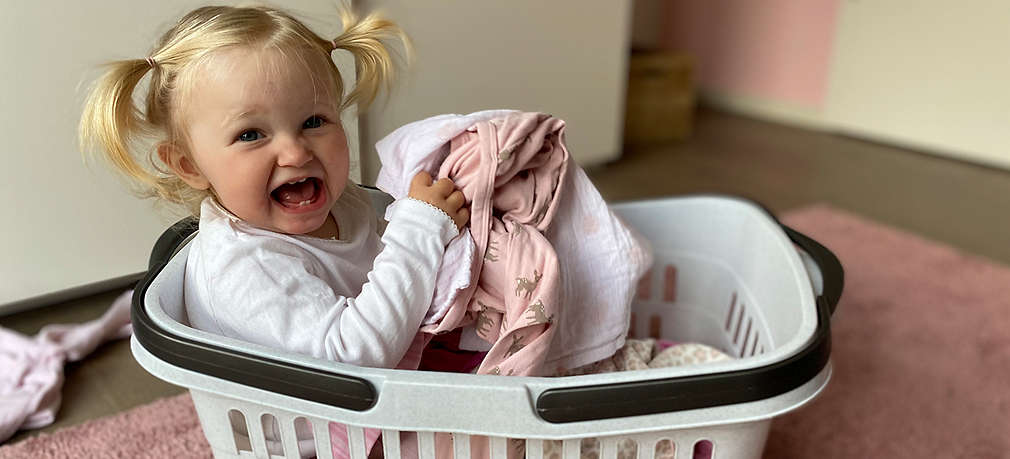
(305, 202)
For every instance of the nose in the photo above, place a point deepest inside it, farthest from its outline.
(293, 152)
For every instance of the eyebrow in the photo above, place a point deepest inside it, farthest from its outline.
(250, 111)
(238, 116)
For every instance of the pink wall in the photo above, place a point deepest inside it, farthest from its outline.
(777, 50)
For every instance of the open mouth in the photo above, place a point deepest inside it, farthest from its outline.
(299, 194)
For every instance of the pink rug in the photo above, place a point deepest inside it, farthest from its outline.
(921, 351)
(161, 429)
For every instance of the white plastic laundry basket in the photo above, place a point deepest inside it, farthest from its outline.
(726, 274)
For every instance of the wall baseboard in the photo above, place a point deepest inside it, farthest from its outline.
(767, 110)
(122, 282)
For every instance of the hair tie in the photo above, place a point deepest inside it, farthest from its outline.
(150, 61)
(333, 44)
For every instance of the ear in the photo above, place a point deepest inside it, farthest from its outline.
(176, 159)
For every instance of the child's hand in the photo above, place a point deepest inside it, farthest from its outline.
(442, 194)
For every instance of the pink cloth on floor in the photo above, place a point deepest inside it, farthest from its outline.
(32, 375)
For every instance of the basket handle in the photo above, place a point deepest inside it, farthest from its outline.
(171, 240)
(832, 274)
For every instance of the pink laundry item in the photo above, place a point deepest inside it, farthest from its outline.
(511, 169)
(601, 257)
(33, 367)
(422, 146)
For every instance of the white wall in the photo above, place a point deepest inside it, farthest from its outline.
(68, 229)
(567, 58)
(929, 74)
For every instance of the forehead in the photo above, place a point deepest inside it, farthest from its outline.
(240, 74)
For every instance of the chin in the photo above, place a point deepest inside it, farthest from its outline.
(304, 227)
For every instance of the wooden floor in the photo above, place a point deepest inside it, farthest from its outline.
(963, 205)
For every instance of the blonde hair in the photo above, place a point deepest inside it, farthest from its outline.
(112, 125)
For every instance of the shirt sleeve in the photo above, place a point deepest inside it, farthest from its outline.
(273, 295)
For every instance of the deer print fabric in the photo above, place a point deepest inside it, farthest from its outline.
(512, 169)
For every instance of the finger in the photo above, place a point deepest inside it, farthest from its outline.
(456, 200)
(444, 186)
(422, 178)
(462, 217)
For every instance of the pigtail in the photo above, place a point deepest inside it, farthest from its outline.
(111, 121)
(367, 40)
(111, 124)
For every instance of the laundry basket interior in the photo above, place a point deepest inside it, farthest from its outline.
(719, 278)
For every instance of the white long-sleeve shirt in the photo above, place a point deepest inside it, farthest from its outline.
(358, 300)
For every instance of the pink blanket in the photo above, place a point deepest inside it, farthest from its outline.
(32, 375)
(511, 169)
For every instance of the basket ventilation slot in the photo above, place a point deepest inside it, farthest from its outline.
(302, 424)
(703, 449)
(740, 328)
(644, 290)
(613, 448)
(236, 419)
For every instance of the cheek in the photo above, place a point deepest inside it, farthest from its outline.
(241, 180)
(339, 169)
(338, 155)
(344, 169)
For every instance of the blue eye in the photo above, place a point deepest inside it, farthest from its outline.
(249, 136)
(314, 121)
